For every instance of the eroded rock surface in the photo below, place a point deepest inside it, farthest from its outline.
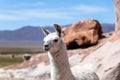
(82, 33)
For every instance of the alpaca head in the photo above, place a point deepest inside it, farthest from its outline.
(52, 41)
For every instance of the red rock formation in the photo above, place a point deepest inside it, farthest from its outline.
(86, 32)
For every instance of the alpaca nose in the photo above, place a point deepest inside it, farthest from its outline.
(46, 47)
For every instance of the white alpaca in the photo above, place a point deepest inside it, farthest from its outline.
(60, 69)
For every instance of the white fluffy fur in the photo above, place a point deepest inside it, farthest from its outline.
(85, 72)
(60, 68)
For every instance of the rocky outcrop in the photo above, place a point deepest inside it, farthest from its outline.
(107, 59)
(117, 14)
(82, 33)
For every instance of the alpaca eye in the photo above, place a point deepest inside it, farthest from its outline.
(55, 40)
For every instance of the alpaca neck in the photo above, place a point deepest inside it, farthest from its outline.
(60, 69)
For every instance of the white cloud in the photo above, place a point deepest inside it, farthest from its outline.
(35, 4)
(49, 13)
(89, 9)
(7, 17)
(32, 14)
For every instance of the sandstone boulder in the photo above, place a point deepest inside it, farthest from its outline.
(86, 32)
(107, 59)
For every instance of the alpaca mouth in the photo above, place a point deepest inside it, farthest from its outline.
(46, 48)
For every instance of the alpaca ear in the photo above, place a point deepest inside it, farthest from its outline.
(46, 32)
(58, 29)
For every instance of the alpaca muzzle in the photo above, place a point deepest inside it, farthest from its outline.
(46, 47)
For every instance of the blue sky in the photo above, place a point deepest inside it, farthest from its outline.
(18, 13)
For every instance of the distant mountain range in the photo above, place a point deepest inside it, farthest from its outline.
(30, 33)
(108, 27)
